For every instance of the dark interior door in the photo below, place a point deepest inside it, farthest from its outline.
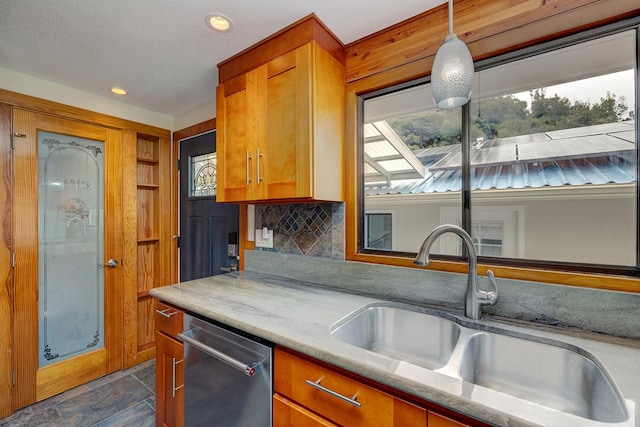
(206, 227)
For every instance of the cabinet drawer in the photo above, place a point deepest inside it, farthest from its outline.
(289, 414)
(293, 375)
(437, 420)
(168, 319)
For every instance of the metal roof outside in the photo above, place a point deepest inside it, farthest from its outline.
(596, 155)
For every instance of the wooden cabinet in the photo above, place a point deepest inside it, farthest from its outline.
(292, 377)
(437, 420)
(281, 128)
(169, 366)
(298, 403)
(236, 138)
(288, 413)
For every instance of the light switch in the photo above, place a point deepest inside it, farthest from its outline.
(264, 238)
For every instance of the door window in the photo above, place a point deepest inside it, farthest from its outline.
(70, 241)
(202, 173)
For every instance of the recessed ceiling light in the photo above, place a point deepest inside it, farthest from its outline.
(219, 22)
(118, 91)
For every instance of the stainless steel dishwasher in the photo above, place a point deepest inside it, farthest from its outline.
(227, 377)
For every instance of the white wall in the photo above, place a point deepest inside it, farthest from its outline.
(575, 229)
(195, 116)
(591, 231)
(43, 89)
(413, 219)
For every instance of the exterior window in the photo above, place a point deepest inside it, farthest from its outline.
(488, 237)
(551, 133)
(558, 128)
(379, 231)
(496, 231)
(397, 162)
(203, 175)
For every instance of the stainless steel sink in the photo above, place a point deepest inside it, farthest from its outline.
(553, 376)
(422, 339)
(549, 373)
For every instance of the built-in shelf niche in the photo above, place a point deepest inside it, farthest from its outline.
(148, 234)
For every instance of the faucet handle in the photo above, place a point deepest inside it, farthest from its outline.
(489, 297)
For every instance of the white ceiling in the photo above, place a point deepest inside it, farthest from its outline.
(161, 51)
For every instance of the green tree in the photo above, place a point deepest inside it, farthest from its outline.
(428, 129)
(506, 116)
(490, 114)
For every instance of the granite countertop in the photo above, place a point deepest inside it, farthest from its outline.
(298, 316)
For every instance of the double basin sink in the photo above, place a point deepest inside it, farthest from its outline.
(550, 373)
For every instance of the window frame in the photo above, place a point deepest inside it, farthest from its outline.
(391, 213)
(545, 271)
(509, 215)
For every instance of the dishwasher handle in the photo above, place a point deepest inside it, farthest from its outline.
(249, 370)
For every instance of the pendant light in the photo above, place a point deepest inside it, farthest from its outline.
(452, 72)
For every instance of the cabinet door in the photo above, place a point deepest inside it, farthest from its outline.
(168, 319)
(437, 420)
(169, 381)
(236, 139)
(376, 407)
(285, 134)
(289, 414)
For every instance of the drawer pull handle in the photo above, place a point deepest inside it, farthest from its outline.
(165, 312)
(174, 389)
(258, 157)
(352, 400)
(247, 161)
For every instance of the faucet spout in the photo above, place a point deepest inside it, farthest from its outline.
(474, 298)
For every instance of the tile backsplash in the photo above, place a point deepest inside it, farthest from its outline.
(311, 229)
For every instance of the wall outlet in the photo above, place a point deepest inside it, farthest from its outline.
(264, 238)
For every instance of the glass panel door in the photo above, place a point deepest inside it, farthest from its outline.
(71, 246)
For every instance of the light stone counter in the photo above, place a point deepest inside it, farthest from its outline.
(293, 314)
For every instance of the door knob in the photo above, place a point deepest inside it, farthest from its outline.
(112, 263)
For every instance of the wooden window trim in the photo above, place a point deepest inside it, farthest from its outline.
(514, 32)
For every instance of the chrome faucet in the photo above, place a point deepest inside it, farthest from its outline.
(475, 298)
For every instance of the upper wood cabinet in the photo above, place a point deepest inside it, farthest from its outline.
(236, 140)
(281, 124)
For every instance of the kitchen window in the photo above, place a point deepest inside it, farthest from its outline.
(550, 130)
(379, 230)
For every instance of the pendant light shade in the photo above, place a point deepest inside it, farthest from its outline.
(452, 72)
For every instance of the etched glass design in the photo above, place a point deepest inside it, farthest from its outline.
(203, 175)
(71, 245)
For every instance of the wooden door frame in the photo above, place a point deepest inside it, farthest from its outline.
(8, 100)
(35, 383)
(6, 271)
(243, 242)
(177, 136)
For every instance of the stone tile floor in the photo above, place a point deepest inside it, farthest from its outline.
(124, 398)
